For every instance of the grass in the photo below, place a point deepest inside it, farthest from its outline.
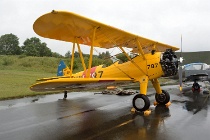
(29, 63)
(16, 83)
(18, 73)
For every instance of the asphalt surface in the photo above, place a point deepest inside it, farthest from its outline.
(85, 115)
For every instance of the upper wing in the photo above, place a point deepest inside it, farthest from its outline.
(75, 83)
(65, 26)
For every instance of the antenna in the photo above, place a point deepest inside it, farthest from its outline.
(181, 58)
(180, 68)
(181, 46)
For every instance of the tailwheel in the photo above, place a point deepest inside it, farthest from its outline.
(65, 95)
(162, 98)
(196, 88)
(141, 102)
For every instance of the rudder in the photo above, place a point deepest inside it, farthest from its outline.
(61, 67)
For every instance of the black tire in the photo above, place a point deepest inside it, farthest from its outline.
(162, 98)
(145, 100)
(196, 88)
(65, 94)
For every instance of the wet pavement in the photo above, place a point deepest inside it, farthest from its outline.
(85, 115)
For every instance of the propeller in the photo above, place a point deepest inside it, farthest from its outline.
(180, 67)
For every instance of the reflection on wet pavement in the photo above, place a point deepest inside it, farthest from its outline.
(87, 116)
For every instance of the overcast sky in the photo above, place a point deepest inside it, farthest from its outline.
(160, 20)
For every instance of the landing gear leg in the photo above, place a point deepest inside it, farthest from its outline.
(141, 101)
(65, 95)
(161, 96)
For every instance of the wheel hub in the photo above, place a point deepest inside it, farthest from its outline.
(161, 97)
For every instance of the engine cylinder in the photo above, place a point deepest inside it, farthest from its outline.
(169, 63)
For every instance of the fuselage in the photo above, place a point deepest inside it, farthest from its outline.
(150, 66)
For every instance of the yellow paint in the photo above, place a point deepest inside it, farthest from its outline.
(91, 52)
(147, 112)
(180, 88)
(155, 103)
(67, 71)
(64, 26)
(133, 110)
(140, 49)
(81, 57)
(168, 104)
(72, 59)
(156, 85)
(111, 87)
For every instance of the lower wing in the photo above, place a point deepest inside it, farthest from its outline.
(61, 84)
(197, 77)
(51, 78)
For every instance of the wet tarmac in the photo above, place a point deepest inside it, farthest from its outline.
(85, 115)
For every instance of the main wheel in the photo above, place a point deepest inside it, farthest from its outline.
(141, 102)
(162, 98)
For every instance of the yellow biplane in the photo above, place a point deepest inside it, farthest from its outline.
(152, 60)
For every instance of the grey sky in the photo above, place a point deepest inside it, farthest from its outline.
(160, 20)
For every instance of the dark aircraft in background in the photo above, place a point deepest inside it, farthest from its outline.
(194, 77)
(195, 68)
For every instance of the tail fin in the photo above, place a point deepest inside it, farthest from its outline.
(63, 70)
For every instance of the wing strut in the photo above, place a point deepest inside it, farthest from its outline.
(140, 49)
(125, 53)
(81, 57)
(155, 48)
(72, 58)
(131, 60)
(91, 53)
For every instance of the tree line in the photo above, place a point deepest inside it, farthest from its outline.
(9, 45)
